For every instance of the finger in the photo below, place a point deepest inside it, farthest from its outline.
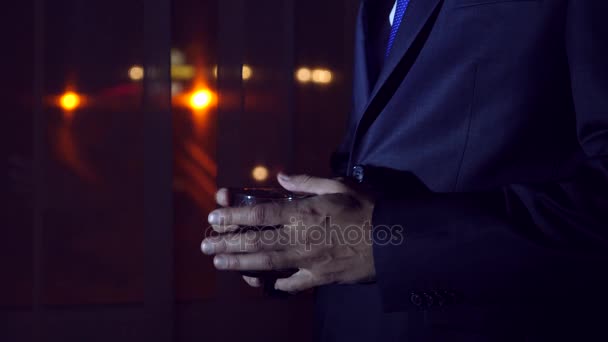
(300, 281)
(311, 185)
(253, 282)
(267, 261)
(264, 215)
(222, 197)
(247, 242)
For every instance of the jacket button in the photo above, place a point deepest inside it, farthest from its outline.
(416, 299)
(428, 299)
(439, 298)
(358, 173)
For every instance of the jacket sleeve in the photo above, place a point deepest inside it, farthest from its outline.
(522, 243)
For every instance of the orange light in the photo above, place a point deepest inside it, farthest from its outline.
(136, 73)
(69, 101)
(260, 173)
(201, 99)
(322, 76)
(247, 72)
(304, 75)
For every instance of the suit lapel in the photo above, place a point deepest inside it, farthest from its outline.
(416, 21)
(416, 16)
(361, 89)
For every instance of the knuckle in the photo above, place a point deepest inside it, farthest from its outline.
(268, 262)
(307, 239)
(258, 215)
(256, 243)
(303, 255)
(301, 210)
(304, 179)
(284, 238)
(323, 259)
(326, 277)
(275, 211)
(313, 207)
(311, 210)
(222, 245)
(225, 217)
(346, 199)
(314, 237)
(234, 263)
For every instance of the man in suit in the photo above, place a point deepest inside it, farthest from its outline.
(476, 160)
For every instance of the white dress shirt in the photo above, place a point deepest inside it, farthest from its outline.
(391, 17)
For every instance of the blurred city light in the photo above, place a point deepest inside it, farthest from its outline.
(182, 72)
(318, 76)
(201, 99)
(136, 73)
(304, 75)
(260, 173)
(177, 57)
(178, 72)
(247, 72)
(69, 101)
(322, 76)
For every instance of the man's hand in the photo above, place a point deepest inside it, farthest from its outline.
(327, 237)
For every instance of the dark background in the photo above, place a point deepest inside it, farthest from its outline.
(104, 207)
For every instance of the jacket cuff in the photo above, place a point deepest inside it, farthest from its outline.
(424, 247)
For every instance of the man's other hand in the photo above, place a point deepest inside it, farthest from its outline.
(327, 236)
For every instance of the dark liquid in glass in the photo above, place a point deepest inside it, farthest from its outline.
(252, 196)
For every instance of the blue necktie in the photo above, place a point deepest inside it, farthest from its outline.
(399, 13)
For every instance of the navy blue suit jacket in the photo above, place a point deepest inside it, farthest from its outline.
(486, 136)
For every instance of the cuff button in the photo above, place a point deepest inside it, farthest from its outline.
(416, 299)
(358, 173)
(429, 299)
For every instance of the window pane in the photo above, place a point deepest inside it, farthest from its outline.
(74, 165)
(265, 119)
(16, 159)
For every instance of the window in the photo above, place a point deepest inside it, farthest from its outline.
(121, 120)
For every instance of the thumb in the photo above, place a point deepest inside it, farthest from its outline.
(311, 185)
